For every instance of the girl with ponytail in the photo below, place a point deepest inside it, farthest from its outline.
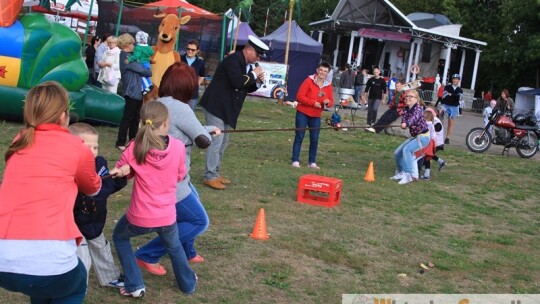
(156, 162)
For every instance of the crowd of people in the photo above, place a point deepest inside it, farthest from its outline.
(47, 253)
(50, 262)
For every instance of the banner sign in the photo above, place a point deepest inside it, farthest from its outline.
(275, 75)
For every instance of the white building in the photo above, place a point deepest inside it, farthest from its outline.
(418, 45)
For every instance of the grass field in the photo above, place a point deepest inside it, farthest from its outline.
(477, 222)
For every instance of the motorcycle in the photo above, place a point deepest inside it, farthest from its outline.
(520, 132)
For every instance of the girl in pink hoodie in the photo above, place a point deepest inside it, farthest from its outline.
(156, 162)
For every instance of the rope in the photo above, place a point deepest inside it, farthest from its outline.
(304, 129)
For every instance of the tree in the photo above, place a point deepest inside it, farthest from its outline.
(510, 27)
(218, 7)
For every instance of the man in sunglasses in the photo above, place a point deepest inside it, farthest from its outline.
(197, 64)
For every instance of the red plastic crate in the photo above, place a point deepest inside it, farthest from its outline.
(319, 190)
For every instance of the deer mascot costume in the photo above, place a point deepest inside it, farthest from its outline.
(164, 53)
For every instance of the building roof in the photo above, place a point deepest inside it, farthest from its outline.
(428, 20)
(351, 15)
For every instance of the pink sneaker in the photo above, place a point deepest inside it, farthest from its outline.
(296, 164)
(155, 269)
(196, 259)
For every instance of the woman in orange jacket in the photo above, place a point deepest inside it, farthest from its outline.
(45, 168)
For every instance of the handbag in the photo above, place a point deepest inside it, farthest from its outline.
(106, 77)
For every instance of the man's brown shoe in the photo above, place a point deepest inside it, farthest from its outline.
(214, 183)
(224, 180)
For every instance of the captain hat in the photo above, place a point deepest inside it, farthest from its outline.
(259, 46)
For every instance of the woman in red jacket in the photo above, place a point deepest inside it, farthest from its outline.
(314, 94)
(45, 167)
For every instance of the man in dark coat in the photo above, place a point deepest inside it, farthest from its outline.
(222, 101)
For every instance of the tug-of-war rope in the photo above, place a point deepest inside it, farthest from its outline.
(307, 129)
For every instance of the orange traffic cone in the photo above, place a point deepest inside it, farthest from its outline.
(370, 173)
(259, 230)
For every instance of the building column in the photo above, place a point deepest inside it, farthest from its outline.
(320, 36)
(336, 51)
(417, 55)
(475, 69)
(360, 52)
(411, 54)
(447, 62)
(351, 44)
(462, 65)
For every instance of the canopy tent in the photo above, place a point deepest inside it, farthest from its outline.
(304, 54)
(243, 33)
(187, 9)
(528, 102)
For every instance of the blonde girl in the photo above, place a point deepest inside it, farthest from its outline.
(156, 162)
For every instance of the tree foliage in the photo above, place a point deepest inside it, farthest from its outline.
(276, 12)
(510, 27)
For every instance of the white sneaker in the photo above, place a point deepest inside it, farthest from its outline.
(296, 164)
(370, 130)
(139, 293)
(398, 176)
(313, 166)
(407, 178)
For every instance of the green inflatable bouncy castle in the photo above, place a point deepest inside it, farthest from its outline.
(34, 50)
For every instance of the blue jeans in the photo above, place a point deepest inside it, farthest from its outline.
(191, 220)
(373, 107)
(404, 154)
(358, 90)
(390, 96)
(133, 280)
(66, 288)
(302, 121)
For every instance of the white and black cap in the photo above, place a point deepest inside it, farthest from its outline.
(259, 46)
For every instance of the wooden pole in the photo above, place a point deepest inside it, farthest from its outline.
(180, 9)
(266, 21)
(236, 31)
(291, 5)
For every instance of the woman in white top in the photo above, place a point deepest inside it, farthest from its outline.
(109, 75)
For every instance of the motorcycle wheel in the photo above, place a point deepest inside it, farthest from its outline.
(527, 146)
(476, 142)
